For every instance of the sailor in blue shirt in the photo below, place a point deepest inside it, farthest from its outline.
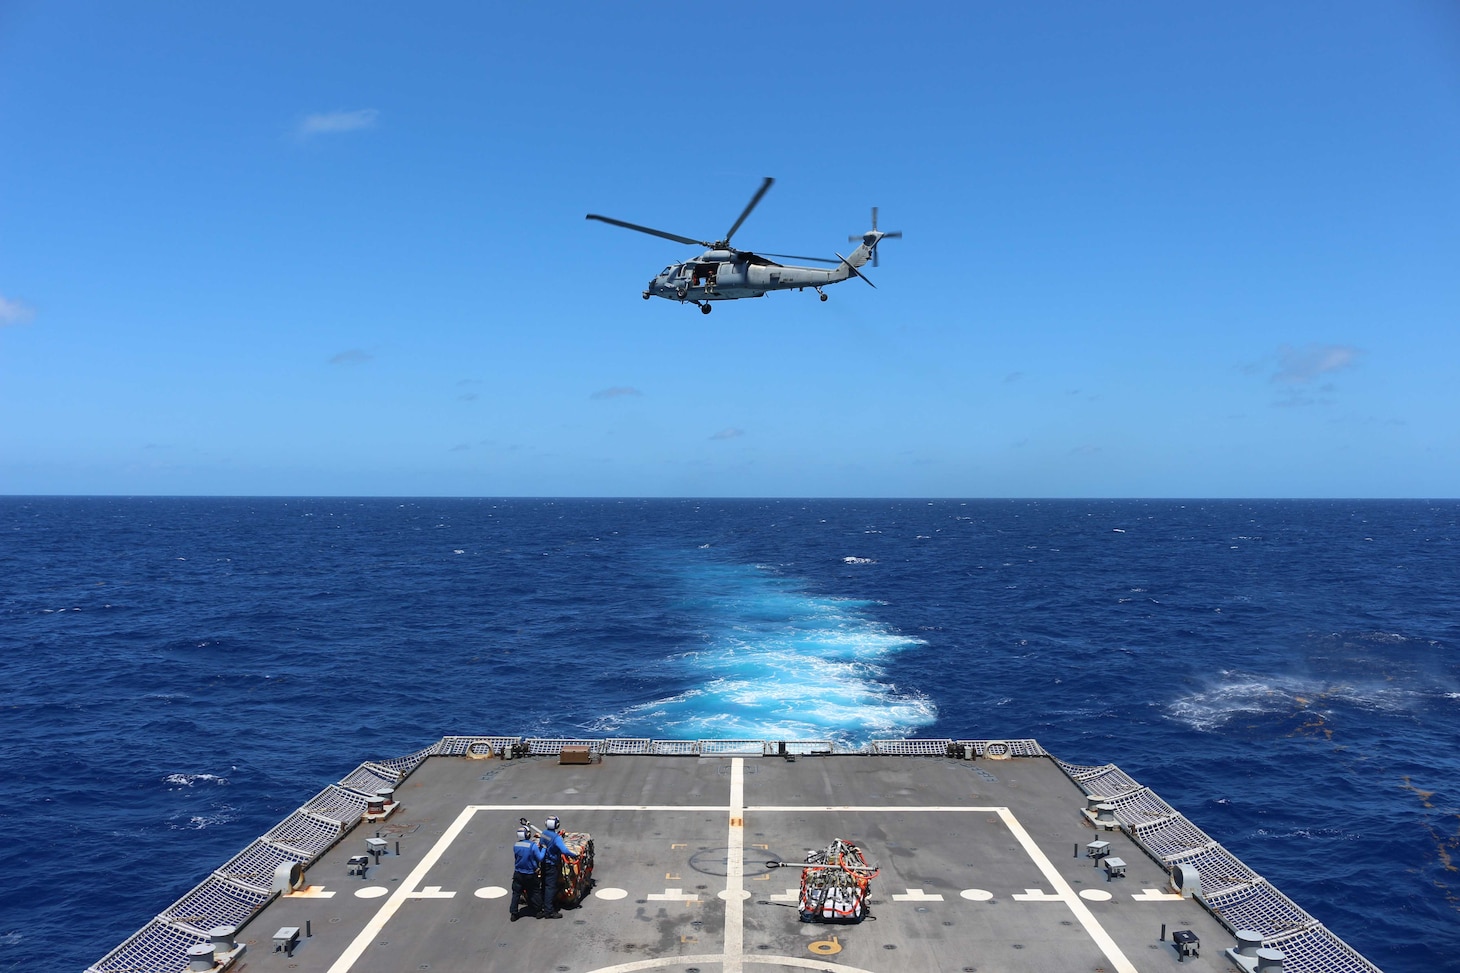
(526, 883)
(554, 851)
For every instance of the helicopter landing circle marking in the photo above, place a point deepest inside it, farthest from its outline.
(609, 894)
(1095, 895)
(371, 892)
(977, 895)
(490, 892)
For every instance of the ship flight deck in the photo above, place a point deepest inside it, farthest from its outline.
(986, 865)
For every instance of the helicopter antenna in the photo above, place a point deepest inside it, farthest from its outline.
(877, 237)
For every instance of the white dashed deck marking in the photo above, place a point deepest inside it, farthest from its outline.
(733, 958)
(1156, 895)
(431, 892)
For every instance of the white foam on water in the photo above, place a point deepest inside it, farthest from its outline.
(188, 780)
(778, 663)
(1235, 694)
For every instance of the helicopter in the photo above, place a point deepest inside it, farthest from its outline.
(723, 273)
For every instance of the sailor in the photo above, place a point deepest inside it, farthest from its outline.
(526, 883)
(554, 851)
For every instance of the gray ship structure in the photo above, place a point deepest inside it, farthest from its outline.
(711, 856)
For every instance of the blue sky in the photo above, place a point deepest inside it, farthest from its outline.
(1167, 250)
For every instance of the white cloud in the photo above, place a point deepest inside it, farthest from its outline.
(14, 312)
(1299, 366)
(334, 122)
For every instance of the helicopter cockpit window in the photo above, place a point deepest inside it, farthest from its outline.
(667, 271)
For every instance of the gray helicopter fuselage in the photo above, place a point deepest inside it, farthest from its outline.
(728, 275)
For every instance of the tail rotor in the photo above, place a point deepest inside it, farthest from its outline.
(874, 236)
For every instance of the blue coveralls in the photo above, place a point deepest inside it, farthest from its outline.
(526, 885)
(554, 851)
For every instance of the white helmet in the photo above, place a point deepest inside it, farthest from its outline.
(551, 824)
(521, 834)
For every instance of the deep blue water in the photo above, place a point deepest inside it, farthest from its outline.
(180, 674)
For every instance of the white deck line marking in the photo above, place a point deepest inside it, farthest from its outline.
(372, 928)
(958, 808)
(797, 962)
(1066, 891)
(735, 872)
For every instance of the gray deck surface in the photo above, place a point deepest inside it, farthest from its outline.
(978, 858)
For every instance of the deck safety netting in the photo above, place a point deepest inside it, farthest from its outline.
(730, 748)
(1261, 908)
(215, 903)
(402, 766)
(1141, 807)
(1319, 951)
(157, 946)
(458, 746)
(1220, 870)
(625, 745)
(1171, 838)
(1004, 748)
(1112, 783)
(337, 804)
(305, 831)
(255, 865)
(911, 748)
(369, 778)
(682, 748)
(539, 747)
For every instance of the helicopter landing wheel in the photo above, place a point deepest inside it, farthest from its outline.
(704, 309)
(645, 295)
(823, 297)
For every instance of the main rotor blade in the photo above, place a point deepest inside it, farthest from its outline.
(792, 256)
(764, 187)
(649, 230)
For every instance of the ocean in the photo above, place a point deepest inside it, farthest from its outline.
(181, 673)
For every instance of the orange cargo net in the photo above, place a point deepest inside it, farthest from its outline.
(576, 875)
(836, 884)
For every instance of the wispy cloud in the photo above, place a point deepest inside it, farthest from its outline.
(351, 356)
(14, 312)
(335, 122)
(1299, 366)
(729, 433)
(617, 392)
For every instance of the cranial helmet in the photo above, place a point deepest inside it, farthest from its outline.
(552, 822)
(521, 834)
